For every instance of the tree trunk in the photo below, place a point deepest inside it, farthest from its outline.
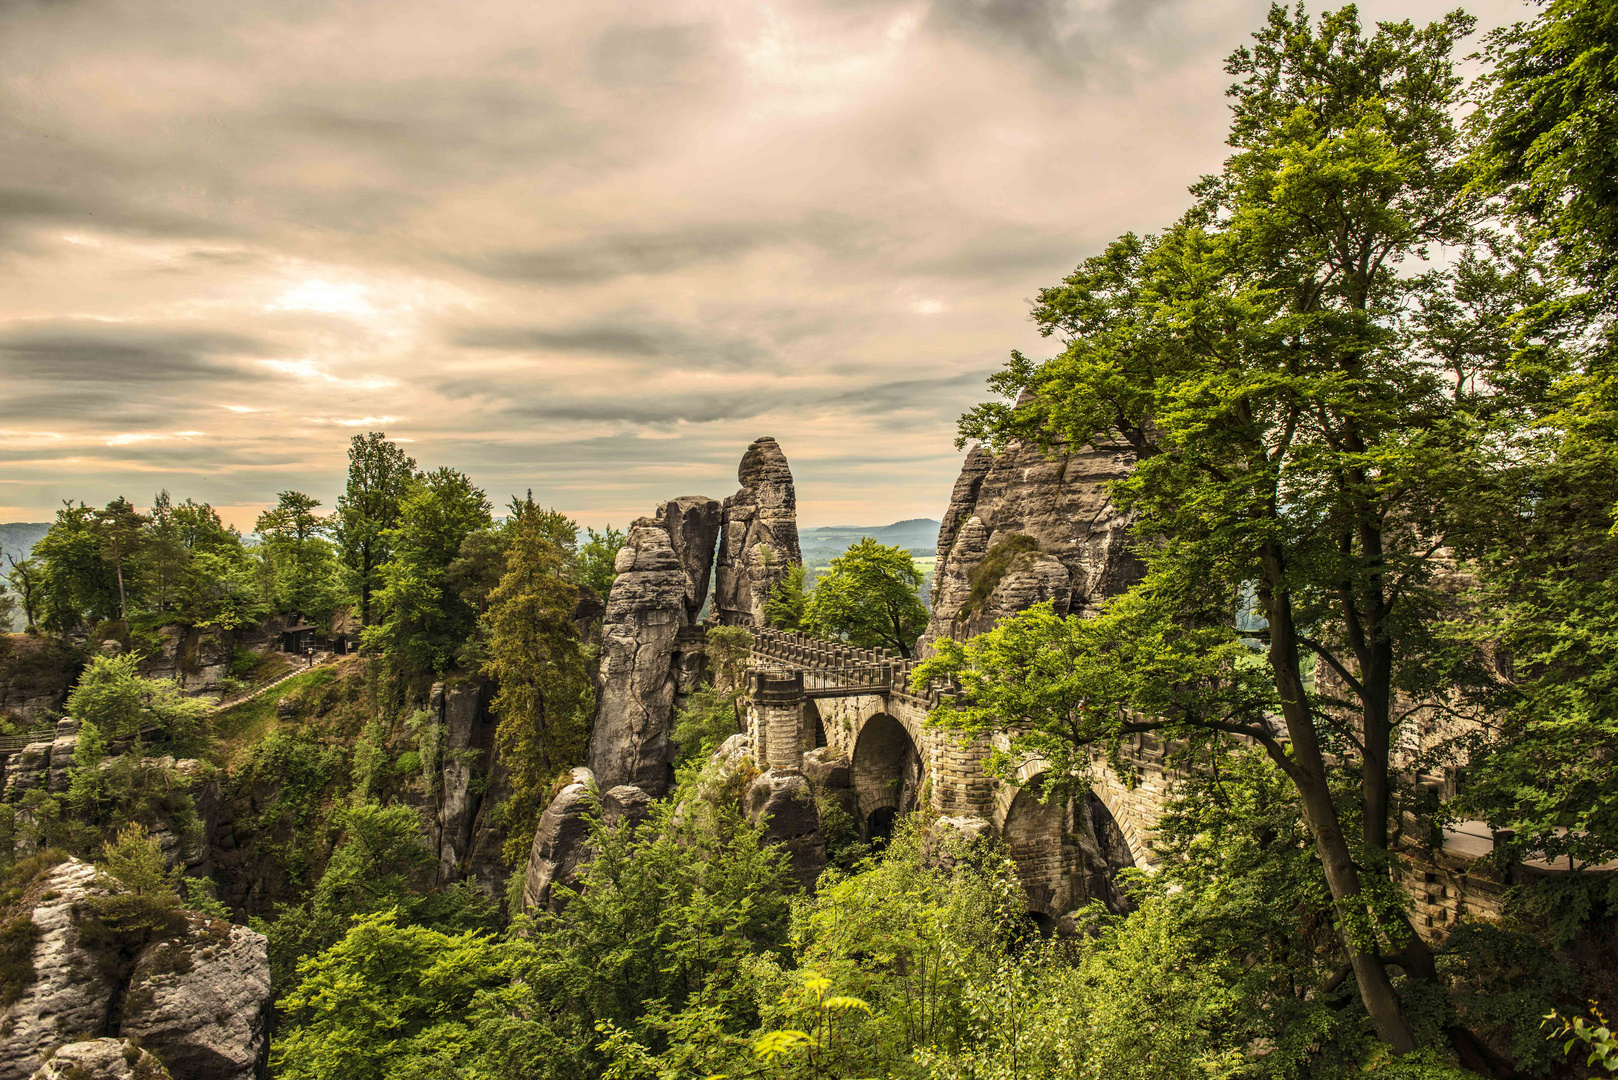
(123, 605)
(1307, 771)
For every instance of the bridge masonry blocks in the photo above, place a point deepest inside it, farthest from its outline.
(775, 721)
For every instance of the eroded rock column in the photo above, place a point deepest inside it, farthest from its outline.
(759, 541)
(639, 633)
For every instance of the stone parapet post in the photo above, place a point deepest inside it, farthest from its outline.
(777, 718)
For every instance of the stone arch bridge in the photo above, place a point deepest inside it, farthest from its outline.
(807, 694)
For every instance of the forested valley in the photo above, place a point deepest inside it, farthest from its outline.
(1300, 548)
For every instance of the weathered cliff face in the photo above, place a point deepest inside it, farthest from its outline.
(1025, 526)
(103, 1059)
(187, 787)
(759, 542)
(458, 811)
(35, 673)
(197, 999)
(639, 635)
(693, 523)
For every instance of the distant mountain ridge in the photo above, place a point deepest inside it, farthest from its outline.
(919, 536)
(17, 538)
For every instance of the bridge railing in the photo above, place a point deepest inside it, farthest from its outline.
(837, 665)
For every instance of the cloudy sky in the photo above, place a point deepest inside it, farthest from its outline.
(591, 248)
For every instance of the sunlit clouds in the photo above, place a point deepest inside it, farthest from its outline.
(588, 249)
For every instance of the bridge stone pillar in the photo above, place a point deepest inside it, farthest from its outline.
(778, 716)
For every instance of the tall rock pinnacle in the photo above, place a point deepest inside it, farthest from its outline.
(629, 743)
(759, 540)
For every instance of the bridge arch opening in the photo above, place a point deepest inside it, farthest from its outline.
(886, 773)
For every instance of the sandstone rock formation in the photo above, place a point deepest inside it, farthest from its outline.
(759, 543)
(199, 999)
(785, 803)
(102, 1059)
(1026, 526)
(693, 522)
(561, 844)
(630, 741)
(70, 992)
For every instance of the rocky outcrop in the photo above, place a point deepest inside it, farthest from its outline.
(561, 844)
(645, 611)
(784, 803)
(27, 769)
(35, 673)
(693, 522)
(200, 1000)
(759, 540)
(466, 749)
(70, 991)
(102, 1059)
(1025, 526)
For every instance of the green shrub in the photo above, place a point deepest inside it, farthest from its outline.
(1000, 559)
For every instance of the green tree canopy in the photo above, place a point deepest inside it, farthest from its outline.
(871, 597)
(379, 474)
(424, 621)
(1295, 429)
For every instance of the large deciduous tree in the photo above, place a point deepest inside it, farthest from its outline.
(120, 529)
(424, 619)
(871, 597)
(379, 474)
(300, 565)
(1302, 445)
(1549, 148)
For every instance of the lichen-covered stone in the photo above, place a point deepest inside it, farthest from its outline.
(200, 1000)
(102, 1059)
(759, 539)
(71, 989)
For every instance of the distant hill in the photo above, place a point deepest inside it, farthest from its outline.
(919, 536)
(17, 539)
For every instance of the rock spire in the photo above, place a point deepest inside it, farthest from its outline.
(759, 542)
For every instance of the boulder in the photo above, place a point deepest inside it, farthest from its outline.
(71, 990)
(629, 743)
(561, 844)
(759, 536)
(692, 522)
(200, 1000)
(827, 768)
(1026, 526)
(784, 803)
(102, 1059)
(625, 803)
